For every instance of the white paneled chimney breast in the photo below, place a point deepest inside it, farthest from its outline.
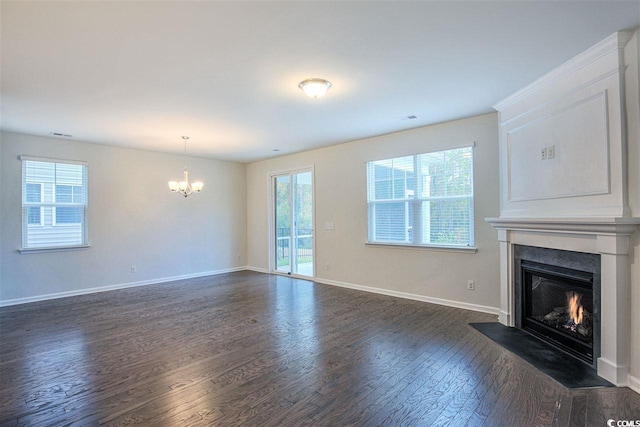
(564, 174)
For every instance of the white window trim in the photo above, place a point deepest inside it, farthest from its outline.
(413, 153)
(85, 226)
(51, 160)
(53, 249)
(437, 248)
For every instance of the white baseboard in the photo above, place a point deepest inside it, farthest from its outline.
(504, 318)
(416, 297)
(85, 291)
(257, 269)
(615, 374)
(449, 303)
(634, 383)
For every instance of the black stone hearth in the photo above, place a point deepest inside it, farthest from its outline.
(567, 370)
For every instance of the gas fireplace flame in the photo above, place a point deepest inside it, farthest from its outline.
(575, 308)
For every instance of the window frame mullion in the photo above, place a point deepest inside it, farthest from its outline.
(416, 226)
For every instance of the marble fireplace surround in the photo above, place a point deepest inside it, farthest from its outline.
(606, 236)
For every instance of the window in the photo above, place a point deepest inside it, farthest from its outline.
(422, 200)
(54, 204)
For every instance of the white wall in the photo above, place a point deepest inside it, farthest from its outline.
(340, 196)
(133, 219)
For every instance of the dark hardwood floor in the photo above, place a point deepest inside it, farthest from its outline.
(254, 349)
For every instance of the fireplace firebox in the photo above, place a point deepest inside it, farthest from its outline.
(558, 299)
(558, 306)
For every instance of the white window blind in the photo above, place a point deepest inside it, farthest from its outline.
(54, 204)
(71, 196)
(425, 199)
(34, 195)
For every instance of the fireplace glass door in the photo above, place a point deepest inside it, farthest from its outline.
(558, 307)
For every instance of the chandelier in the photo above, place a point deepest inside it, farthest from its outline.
(184, 187)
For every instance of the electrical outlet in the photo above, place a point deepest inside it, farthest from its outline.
(328, 267)
(471, 285)
(237, 257)
(551, 152)
(134, 269)
(543, 154)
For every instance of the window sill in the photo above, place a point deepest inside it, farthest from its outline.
(53, 249)
(462, 249)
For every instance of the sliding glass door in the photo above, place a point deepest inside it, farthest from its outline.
(293, 223)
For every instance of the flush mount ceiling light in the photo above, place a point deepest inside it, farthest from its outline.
(184, 187)
(315, 88)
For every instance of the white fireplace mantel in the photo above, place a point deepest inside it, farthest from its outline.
(606, 236)
(581, 225)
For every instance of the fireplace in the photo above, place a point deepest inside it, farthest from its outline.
(558, 299)
(593, 245)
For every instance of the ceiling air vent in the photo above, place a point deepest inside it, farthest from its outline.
(61, 135)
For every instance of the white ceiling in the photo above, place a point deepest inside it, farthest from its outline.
(141, 74)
